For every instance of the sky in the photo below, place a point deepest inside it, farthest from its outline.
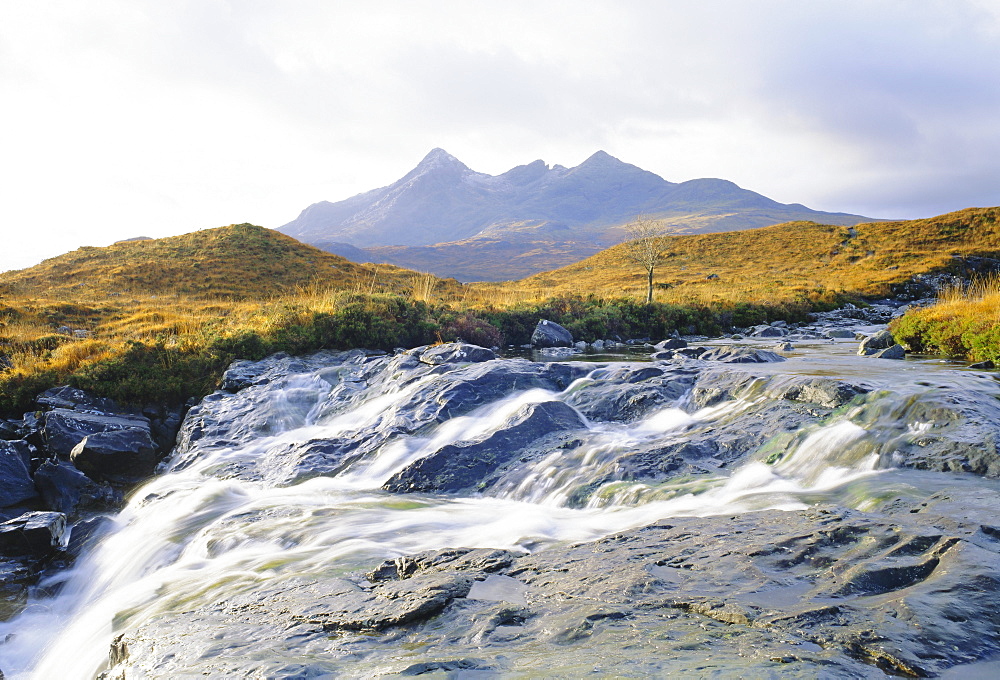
(125, 118)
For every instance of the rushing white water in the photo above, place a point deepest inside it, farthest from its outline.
(191, 537)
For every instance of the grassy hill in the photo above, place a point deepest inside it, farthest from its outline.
(239, 261)
(784, 261)
(159, 318)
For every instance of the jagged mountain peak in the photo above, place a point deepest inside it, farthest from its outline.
(442, 200)
(602, 157)
(438, 156)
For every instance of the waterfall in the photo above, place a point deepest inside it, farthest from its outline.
(232, 516)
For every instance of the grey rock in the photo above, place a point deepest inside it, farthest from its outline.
(121, 456)
(671, 343)
(769, 332)
(66, 489)
(86, 533)
(33, 533)
(838, 333)
(826, 392)
(550, 334)
(893, 352)
(784, 347)
(740, 355)
(626, 392)
(455, 352)
(67, 397)
(16, 485)
(65, 428)
(871, 345)
(473, 464)
(807, 593)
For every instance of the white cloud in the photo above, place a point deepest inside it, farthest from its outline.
(139, 117)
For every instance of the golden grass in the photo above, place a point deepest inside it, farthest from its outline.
(784, 261)
(187, 291)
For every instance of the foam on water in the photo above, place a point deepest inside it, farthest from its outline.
(188, 538)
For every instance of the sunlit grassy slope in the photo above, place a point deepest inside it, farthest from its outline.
(964, 323)
(783, 261)
(196, 300)
(238, 261)
(160, 319)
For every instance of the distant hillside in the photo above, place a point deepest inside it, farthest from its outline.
(445, 218)
(237, 261)
(796, 258)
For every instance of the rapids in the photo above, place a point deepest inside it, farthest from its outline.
(282, 482)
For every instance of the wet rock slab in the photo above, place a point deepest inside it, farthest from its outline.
(825, 592)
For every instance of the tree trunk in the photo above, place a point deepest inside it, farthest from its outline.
(649, 289)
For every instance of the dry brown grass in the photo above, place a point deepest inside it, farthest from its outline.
(785, 261)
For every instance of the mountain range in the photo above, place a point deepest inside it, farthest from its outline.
(445, 218)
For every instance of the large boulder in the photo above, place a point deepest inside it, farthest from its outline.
(471, 464)
(454, 352)
(67, 490)
(769, 332)
(65, 428)
(121, 456)
(15, 473)
(871, 345)
(76, 399)
(550, 334)
(33, 533)
(893, 352)
(741, 355)
(670, 343)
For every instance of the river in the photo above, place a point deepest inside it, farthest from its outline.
(241, 516)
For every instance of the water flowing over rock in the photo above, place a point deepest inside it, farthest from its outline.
(444, 511)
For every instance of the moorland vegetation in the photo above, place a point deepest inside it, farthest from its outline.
(159, 320)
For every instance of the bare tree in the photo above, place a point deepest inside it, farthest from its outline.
(645, 240)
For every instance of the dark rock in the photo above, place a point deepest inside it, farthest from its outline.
(826, 392)
(894, 352)
(16, 485)
(624, 392)
(241, 374)
(64, 429)
(86, 533)
(121, 456)
(769, 332)
(468, 465)
(33, 533)
(740, 355)
(66, 489)
(983, 365)
(671, 343)
(455, 352)
(453, 666)
(881, 340)
(550, 334)
(11, 429)
(72, 398)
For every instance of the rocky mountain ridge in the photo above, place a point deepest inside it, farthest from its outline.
(457, 212)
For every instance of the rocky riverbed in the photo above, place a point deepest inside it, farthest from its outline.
(744, 510)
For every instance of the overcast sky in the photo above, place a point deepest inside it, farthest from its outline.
(125, 118)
